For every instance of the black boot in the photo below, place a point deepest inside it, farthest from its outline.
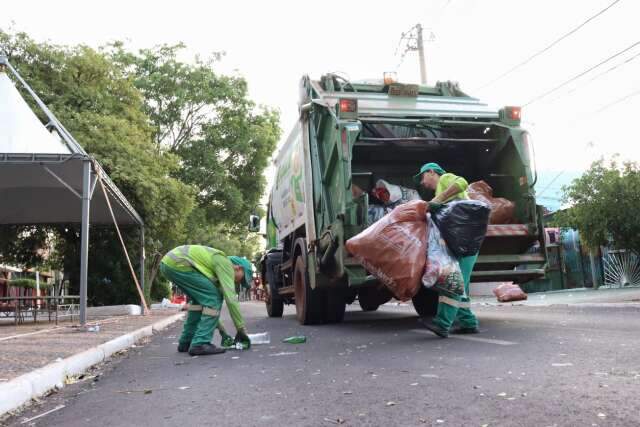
(464, 331)
(205, 349)
(428, 323)
(183, 347)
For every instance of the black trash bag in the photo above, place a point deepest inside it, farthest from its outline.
(463, 225)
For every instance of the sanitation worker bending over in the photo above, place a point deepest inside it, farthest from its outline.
(449, 187)
(207, 276)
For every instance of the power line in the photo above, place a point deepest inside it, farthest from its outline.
(597, 76)
(549, 185)
(548, 47)
(560, 86)
(624, 98)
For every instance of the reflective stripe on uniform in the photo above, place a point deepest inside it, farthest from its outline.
(450, 301)
(194, 307)
(178, 260)
(210, 311)
(180, 256)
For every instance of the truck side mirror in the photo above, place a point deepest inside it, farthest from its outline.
(254, 223)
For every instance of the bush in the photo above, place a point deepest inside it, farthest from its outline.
(23, 283)
(160, 289)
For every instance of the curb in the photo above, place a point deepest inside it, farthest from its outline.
(20, 390)
(632, 305)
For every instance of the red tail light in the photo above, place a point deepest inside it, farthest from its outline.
(514, 113)
(348, 105)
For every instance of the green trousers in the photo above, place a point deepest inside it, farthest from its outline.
(205, 304)
(458, 308)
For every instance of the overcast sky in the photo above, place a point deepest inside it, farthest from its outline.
(272, 44)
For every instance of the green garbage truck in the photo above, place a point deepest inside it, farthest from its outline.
(351, 134)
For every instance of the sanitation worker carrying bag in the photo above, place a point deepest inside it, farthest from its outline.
(393, 249)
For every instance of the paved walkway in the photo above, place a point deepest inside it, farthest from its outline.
(31, 346)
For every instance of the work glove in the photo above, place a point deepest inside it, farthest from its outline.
(227, 340)
(435, 206)
(243, 338)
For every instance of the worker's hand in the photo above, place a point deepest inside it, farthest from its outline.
(435, 206)
(243, 338)
(227, 340)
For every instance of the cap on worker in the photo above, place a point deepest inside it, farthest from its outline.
(426, 168)
(247, 267)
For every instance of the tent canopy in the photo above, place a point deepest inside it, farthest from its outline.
(47, 178)
(41, 169)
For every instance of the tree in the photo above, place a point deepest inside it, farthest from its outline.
(603, 205)
(224, 141)
(103, 109)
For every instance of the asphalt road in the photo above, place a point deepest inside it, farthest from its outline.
(530, 366)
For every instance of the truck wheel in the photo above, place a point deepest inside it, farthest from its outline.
(309, 302)
(426, 302)
(274, 302)
(372, 298)
(336, 305)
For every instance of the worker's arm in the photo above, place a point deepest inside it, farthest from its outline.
(458, 185)
(223, 269)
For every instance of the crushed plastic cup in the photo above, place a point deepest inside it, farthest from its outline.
(300, 339)
(260, 338)
(95, 328)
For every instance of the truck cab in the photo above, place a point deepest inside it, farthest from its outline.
(349, 136)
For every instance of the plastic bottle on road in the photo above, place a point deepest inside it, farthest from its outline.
(301, 339)
(261, 338)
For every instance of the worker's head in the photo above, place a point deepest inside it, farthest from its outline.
(243, 271)
(429, 175)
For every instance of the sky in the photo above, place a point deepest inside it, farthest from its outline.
(272, 44)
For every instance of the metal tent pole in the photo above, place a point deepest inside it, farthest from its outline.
(84, 245)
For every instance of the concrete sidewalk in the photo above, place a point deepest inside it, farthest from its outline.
(582, 296)
(37, 358)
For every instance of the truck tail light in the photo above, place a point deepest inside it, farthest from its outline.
(348, 106)
(514, 113)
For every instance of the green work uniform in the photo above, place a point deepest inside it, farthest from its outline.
(206, 275)
(456, 308)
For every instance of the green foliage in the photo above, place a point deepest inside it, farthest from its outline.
(604, 202)
(223, 140)
(22, 245)
(28, 284)
(161, 289)
(104, 111)
(185, 145)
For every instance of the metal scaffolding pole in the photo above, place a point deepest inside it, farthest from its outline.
(84, 242)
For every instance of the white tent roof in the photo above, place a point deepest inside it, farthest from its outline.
(20, 129)
(41, 171)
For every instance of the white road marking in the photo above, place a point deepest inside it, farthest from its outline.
(469, 338)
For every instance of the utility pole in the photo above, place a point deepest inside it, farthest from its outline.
(415, 42)
(423, 67)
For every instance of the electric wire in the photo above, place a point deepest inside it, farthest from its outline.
(548, 47)
(581, 74)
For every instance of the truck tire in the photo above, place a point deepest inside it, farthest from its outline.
(310, 303)
(274, 302)
(335, 306)
(372, 298)
(426, 302)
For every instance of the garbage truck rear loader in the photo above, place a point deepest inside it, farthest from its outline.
(348, 136)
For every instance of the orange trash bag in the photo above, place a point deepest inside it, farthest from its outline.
(509, 292)
(502, 210)
(394, 248)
